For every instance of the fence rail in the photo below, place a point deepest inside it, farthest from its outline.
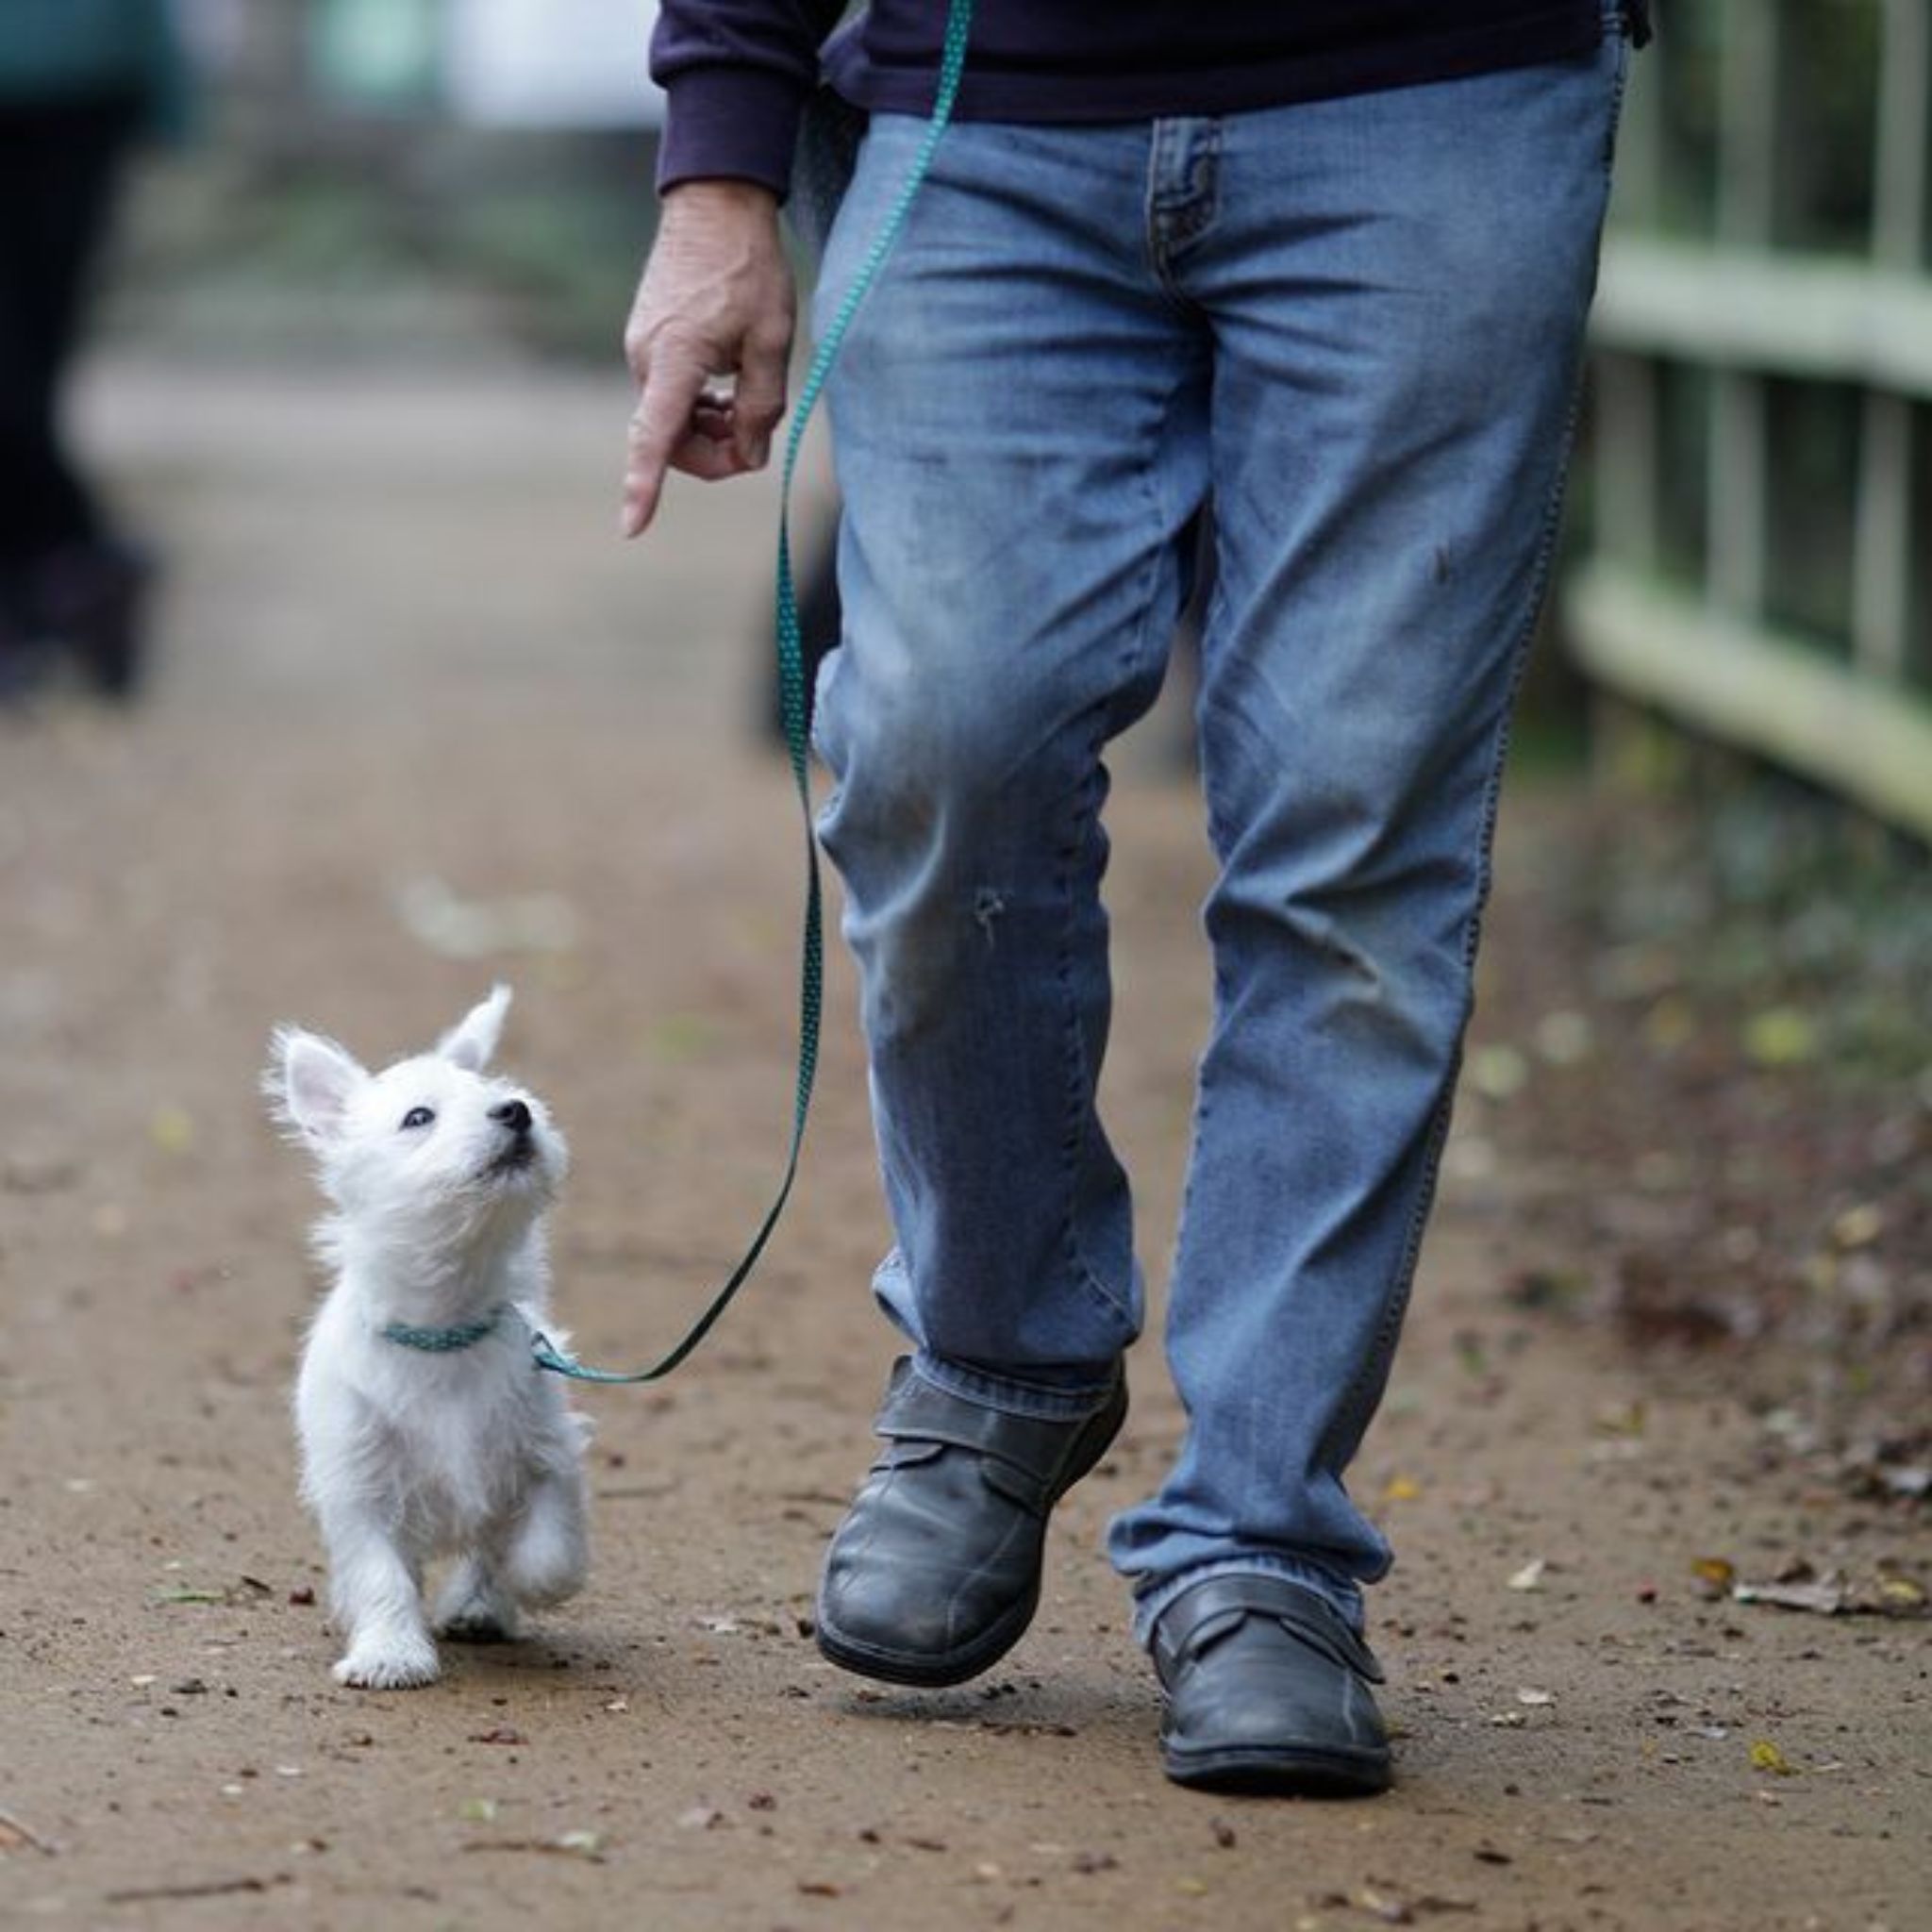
(1724, 598)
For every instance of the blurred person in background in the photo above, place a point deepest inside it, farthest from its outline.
(81, 81)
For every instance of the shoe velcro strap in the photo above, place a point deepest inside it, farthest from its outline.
(1016, 1484)
(1025, 1455)
(1215, 1610)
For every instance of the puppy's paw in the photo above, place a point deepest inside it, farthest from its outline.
(480, 1621)
(549, 1556)
(388, 1666)
(542, 1587)
(472, 1609)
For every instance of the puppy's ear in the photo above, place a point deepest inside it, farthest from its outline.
(310, 1081)
(472, 1042)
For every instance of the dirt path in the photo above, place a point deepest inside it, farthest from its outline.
(404, 652)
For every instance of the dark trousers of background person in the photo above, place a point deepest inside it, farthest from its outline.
(63, 572)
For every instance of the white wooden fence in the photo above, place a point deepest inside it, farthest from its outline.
(1724, 298)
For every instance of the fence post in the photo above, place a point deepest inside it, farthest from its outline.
(1882, 553)
(1750, 73)
(1628, 405)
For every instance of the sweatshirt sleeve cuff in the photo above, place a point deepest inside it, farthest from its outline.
(735, 123)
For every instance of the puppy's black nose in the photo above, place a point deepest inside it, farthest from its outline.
(513, 1114)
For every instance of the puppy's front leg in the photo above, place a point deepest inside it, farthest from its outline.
(549, 1551)
(473, 1607)
(378, 1604)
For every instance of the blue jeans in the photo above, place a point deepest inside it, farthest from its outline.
(1357, 323)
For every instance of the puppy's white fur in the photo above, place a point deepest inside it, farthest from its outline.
(439, 1189)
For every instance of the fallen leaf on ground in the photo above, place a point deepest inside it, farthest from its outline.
(1565, 1039)
(1716, 1576)
(1912, 1480)
(1825, 1597)
(1898, 1591)
(1384, 1903)
(243, 1589)
(1766, 1757)
(1859, 1227)
(16, 1837)
(1780, 1037)
(1497, 1073)
(1622, 1419)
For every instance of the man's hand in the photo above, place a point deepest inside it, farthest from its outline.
(707, 342)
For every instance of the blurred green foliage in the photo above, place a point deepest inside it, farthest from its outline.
(1750, 893)
(1827, 88)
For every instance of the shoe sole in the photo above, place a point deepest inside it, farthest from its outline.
(930, 1673)
(924, 1671)
(1284, 1771)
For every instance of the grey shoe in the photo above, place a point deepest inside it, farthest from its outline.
(1267, 1692)
(25, 660)
(92, 598)
(934, 1575)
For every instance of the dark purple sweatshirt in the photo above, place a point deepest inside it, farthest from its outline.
(737, 72)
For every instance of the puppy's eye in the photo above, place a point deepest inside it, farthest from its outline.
(418, 1117)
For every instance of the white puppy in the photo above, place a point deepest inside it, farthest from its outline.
(426, 1430)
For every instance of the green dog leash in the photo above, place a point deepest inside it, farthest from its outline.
(792, 700)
